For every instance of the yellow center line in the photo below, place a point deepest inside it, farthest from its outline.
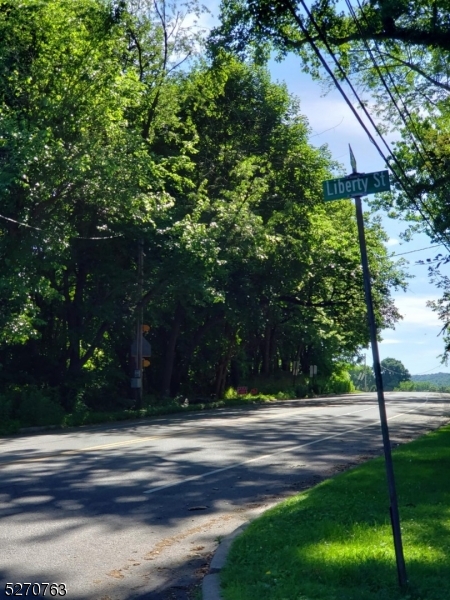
(118, 444)
(130, 442)
(82, 450)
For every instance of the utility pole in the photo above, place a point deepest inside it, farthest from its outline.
(365, 373)
(139, 322)
(395, 517)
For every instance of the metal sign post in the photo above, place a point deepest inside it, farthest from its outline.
(356, 194)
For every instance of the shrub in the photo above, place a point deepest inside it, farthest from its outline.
(301, 390)
(7, 423)
(337, 383)
(79, 414)
(341, 383)
(36, 407)
(230, 394)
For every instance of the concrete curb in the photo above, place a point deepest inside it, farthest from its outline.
(211, 582)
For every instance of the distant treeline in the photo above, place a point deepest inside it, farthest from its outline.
(438, 379)
(422, 386)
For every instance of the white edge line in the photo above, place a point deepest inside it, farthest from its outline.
(262, 456)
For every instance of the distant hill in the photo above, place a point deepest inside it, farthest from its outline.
(436, 378)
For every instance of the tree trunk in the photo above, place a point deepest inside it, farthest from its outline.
(170, 352)
(222, 369)
(194, 341)
(266, 346)
(74, 318)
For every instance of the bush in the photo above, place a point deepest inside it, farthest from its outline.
(301, 390)
(337, 383)
(7, 423)
(37, 407)
(5, 408)
(420, 386)
(79, 414)
(341, 383)
(29, 406)
(406, 386)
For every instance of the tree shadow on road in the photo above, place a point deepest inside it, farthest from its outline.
(148, 493)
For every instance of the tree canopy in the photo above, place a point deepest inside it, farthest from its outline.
(396, 54)
(393, 372)
(108, 144)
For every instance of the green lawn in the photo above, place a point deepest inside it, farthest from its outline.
(334, 542)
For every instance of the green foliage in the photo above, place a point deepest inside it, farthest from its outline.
(362, 377)
(106, 143)
(422, 386)
(339, 383)
(435, 378)
(29, 406)
(399, 52)
(36, 408)
(7, 423)
(393, 372)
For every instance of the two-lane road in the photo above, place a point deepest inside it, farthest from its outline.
(133, 511)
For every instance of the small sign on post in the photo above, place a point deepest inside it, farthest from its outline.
(355, 186)
(135, 383)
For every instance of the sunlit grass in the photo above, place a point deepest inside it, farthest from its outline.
(334, 542)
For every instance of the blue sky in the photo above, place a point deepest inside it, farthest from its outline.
(415, 340)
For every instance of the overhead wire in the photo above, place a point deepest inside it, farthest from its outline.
(418, 250)
(414, 136)
(400, 373)
(425, 372)
(403, 183)
(382, 78)
(77, 237)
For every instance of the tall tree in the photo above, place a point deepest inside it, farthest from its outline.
(80, 183)
(393, 372)
(107, 144)
(397, 55)
(286, 267)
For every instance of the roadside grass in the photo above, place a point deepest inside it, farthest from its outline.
(334, 542)
(82, 415)
(90, 417)
(31, 407)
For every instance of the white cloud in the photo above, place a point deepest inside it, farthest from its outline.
(415, 311)
(392, 242)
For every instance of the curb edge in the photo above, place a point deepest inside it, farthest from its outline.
(211, 582)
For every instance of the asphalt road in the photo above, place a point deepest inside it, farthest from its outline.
(134, 511)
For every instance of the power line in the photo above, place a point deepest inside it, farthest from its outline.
(345, 76)
(77, 237)
(400, 373)
(425, 372)
(413, 136)
(390, 370)
(318, 53)
(419, 250)
(380, 74)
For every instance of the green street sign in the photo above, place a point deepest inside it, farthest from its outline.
(356, 185)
